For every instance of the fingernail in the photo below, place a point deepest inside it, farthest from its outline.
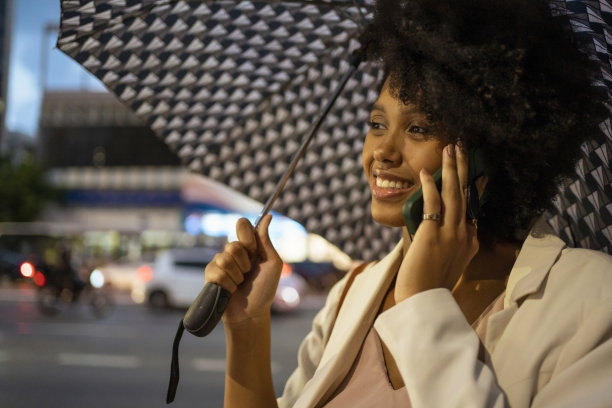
(450, 150)
(458, 149)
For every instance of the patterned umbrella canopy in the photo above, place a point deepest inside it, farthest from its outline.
(233, 86)
(583, 209)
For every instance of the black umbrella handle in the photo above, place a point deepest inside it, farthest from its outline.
(206, 310)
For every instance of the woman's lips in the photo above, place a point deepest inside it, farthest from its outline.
(385, 188)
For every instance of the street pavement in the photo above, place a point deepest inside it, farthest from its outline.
(123, 360)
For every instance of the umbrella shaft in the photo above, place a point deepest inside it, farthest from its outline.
(313, 130)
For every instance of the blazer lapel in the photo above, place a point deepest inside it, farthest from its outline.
(355, 318)
(537, 256)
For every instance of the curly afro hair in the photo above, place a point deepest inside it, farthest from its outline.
(504, 75)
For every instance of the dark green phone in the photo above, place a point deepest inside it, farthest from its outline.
(477, 166)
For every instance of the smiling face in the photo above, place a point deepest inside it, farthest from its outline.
(398, 145)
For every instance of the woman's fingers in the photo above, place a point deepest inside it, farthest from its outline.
(228, 268)
(451, 192)
(220, 271)
(462, 174)
(240, 256)
(431, 196)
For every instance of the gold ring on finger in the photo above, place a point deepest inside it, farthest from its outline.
(431, 217)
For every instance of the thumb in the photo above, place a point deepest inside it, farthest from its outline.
(263, 235)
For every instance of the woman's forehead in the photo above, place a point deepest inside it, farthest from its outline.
(386, 99)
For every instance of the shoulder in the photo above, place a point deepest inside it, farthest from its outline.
(546, 263)
(584, 271)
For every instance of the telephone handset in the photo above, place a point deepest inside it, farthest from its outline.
(477, 166)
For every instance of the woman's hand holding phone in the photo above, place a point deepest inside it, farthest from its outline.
(441, 249)
(249, 269)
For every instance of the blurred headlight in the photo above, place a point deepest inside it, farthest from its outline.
(26, 269)
(96, 278)
(290, 296)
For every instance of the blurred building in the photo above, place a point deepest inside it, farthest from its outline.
(6, 14)
(126, 192)
(93, 129)
(122, 184)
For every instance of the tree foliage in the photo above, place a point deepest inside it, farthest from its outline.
(24, 189)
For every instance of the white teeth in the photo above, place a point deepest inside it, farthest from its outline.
(392, 184)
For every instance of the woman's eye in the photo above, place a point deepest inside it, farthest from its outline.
(417, 129)
(419, 132)
(375, 125)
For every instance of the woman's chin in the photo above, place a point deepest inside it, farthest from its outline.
(388, 220)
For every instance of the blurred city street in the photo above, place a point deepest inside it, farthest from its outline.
(93, 198)
(123, 360)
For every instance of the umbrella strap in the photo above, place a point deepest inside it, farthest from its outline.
(174, 366)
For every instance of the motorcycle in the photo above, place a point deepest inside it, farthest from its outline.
(58, 290)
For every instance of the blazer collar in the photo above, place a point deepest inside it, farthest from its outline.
(362, 302)
(537, 256)
(355, 319)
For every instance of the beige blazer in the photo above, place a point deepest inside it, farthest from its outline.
(551, 346)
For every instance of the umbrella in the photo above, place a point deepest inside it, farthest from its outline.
(232, 86)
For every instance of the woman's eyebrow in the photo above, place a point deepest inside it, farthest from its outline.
(379, 107)
(410, 109)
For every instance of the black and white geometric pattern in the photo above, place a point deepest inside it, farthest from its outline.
(583, 209)
(234, 86)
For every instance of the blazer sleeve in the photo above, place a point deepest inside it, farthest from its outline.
(311, 348)
(583, 373)
(437, 353)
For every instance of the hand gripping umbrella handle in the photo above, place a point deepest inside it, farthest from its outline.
(207, 309)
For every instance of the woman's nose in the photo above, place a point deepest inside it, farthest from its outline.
(387, 150)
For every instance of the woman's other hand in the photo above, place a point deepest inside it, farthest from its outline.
(441, 249)
(249, 269)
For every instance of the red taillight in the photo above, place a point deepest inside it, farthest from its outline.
(286, 271)
(145, 273)
(39, 278)
(27, 269)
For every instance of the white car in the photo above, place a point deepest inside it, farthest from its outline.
(177, 276)
(123, 275)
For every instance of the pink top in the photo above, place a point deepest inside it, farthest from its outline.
(367, 383)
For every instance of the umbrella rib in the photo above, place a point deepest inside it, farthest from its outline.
(355, 60)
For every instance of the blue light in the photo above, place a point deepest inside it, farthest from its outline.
(218, 225)
(192, 224)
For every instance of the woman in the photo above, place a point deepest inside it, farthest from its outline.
(465, 312)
